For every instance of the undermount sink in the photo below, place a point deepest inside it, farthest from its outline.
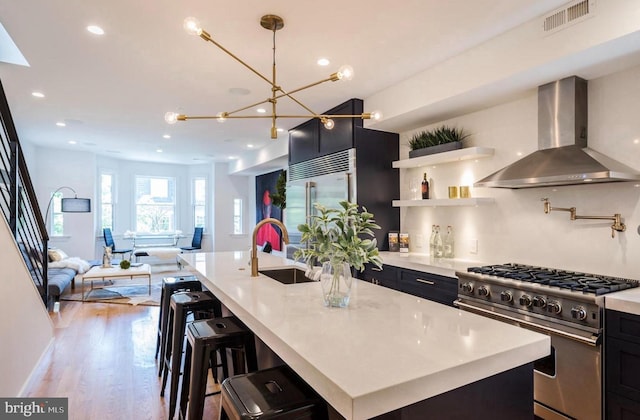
(286, 275)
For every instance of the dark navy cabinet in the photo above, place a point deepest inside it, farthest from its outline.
(622, 365)
(304, 142)
(386, 276)
(428, 286)
(310, 139)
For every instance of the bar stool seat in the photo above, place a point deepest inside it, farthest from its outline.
(201, 305)
(171, 285)
(275, 393)
(206, 340)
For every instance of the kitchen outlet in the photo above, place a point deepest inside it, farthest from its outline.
(473, 246)
(419, 240)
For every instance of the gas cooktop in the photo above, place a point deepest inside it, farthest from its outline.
(575, 281)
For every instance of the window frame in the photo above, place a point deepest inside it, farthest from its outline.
(171, 194)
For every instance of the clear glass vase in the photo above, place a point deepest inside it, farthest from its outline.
(336, 281)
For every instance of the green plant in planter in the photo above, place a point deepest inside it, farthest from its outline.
(441, 135)
(279, 197)
(339, 236)
(125, 264)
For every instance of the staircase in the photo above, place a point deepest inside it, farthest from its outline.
(18, 202)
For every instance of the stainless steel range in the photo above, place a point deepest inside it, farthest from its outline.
(567, 306)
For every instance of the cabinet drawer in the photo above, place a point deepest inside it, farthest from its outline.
(386, 276)
(429, 286)
(622, 367)
(623, 326)
(620, 408)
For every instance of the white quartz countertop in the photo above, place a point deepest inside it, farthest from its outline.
(624, 301)
(386, 350)
(423, 262)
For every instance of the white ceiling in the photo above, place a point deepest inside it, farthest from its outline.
(113, 90)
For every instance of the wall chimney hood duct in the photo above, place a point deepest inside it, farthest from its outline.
(563, 157)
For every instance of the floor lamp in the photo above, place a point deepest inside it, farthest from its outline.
(70, 205)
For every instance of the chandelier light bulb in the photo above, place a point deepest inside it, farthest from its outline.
(171, 117)
(192, 26)
(328, 123)
(345, 72)
(376, 115)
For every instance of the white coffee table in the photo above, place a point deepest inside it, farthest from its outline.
(114, 272)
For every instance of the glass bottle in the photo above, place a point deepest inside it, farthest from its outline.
(432, 242)
(449, 251)
(425, 186)
(439, 247)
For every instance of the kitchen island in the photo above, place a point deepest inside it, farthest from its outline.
(386, 351)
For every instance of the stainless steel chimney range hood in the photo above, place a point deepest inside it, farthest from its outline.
(563, 157)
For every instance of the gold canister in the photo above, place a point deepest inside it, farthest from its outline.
(453, 192)
(464, 191)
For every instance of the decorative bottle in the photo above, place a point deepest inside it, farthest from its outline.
(439, 247)
(449, 249)
(432, 242)
(425, 187)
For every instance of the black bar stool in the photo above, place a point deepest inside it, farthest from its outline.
(206, 340)
(171, 285)
(275, 393)
(201, 305)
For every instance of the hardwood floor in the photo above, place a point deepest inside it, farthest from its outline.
(102, 359)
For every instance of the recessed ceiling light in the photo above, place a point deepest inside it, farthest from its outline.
(261, 110)
(159, 150)
(250, 146)
(280, 130)
(96, 30)
(232, 157)
(61, 124)
(72, 142)
(166, 136)
(636, 141)
(323, 62)
(37, 94)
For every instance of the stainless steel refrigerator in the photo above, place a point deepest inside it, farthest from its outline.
(326, 180)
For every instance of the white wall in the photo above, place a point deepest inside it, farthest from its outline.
(25, 327)
(515, 228)
(56, 168)
(227, 187)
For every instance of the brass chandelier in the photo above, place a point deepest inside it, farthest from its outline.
(273, 23)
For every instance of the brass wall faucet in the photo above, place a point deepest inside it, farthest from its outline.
(617, 219)
(254, 246)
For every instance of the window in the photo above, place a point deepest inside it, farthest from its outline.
(57, 219)
(237, 216)
(106, 200)
(155, 204)
(199, 200)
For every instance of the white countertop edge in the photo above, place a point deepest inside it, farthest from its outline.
(627, 301)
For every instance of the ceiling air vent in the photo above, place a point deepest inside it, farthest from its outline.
(571, 14)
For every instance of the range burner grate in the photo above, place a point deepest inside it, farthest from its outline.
(579, 282)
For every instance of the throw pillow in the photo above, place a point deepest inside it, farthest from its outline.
(56, 254)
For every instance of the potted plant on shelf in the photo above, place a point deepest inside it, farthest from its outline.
(341, 240)
(442, 139)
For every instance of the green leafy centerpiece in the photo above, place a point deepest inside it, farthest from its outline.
(340, 240)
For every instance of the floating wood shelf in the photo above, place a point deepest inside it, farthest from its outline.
(445, 157)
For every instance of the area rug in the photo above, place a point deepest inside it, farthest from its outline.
(125, 291)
